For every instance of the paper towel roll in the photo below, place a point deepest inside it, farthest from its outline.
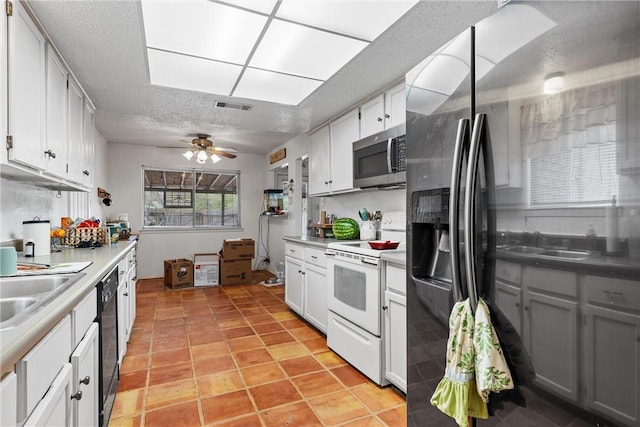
(611, 229)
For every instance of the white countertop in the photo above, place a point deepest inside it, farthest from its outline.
(17, 341)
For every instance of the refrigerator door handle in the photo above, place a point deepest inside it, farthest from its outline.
(461, 149)
(469, 209)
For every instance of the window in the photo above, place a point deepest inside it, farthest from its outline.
(190, 198)
(570, 143)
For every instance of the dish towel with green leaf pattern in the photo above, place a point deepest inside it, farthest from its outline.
(475, 365)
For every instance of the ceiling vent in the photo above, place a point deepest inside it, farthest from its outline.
(243, 107)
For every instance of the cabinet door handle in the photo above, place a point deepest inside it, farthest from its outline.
(303, 273)
(126, 294)
(526, 308)
(50, 153)
(314, 257)
(613, 293)
(384, 307)
(86, 380)
(518, 305)
(386, 116)
(379, 119)
(77, 395)
(85, 172)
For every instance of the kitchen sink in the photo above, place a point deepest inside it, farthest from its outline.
(11, 307)
(563, 253)
(33, 285)
(21, 296)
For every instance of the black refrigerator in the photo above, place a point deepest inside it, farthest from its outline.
(523, 189)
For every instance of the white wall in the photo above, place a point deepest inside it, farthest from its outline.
(125, 185)
(277, 227)
(20, 201)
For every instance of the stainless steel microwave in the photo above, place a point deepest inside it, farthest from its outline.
(380, 160)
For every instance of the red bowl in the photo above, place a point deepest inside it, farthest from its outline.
(383, 244)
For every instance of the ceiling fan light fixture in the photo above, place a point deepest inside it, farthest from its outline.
(188, 155)
(201, 157)
(215, 158)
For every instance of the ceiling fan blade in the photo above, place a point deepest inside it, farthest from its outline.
(225, 154)
(226, 149)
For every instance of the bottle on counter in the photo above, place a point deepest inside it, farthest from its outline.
(29, 248)
(592, 242)
(611, 225)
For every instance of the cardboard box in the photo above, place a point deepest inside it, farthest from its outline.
(206, 270)
(238, 249)
(235, 271)
(178, 273)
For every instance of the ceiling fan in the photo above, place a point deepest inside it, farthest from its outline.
(202, 148)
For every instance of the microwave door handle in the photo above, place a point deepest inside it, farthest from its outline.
(460, 150)
(389, 166)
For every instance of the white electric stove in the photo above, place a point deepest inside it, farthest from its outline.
(355, 296)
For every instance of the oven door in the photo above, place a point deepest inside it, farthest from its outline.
(354, 290)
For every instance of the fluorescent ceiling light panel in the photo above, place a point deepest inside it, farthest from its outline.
(262, 6)
(302, 51)
(274, 87)
(190, 73)
(362, 19)
(202, 28)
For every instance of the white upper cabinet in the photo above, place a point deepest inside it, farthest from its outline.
(395, 106)
(75, 148)
(27, 89)
(88, 143)
(343, 133)
(383, 112)
(372, 116)
(56, 117)
(48, 120)
(319, 162)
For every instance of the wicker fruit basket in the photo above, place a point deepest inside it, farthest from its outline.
(77, 235)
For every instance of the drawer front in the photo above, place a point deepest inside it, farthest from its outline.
(315, 257)
(613, 292)
(509, 271)
(550, 280)
(40, 366)
(294, 251)
(83, 315)
(395, 278)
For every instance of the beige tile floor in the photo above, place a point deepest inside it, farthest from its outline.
(237, 356)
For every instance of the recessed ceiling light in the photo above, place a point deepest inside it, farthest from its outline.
(233, 106)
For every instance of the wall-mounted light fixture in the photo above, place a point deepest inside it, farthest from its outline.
(553, 83)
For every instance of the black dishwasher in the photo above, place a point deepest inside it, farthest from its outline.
(108, 321)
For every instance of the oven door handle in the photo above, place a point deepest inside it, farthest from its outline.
(330, 254)
(364, 261)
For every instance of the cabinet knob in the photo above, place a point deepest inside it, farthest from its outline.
(384, 307)
(77, 395)
(330, 181)
(50, 153)
(326, 182)
(86, 380)
(303, 273)
(85, 172)
(379, 119)
(126, 294)
(518, 304)
(526, 308)
(386, 116)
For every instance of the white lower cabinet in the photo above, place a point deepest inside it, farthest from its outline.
(395, 325)
(293, 285)
(315, 295)
(54, 410)
(85, 362)
(306, 283)
(37, 370)
(8, 399)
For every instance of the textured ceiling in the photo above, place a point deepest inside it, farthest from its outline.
(103, 43)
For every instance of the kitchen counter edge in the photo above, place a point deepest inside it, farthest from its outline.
(319, 242)
(17, 341)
